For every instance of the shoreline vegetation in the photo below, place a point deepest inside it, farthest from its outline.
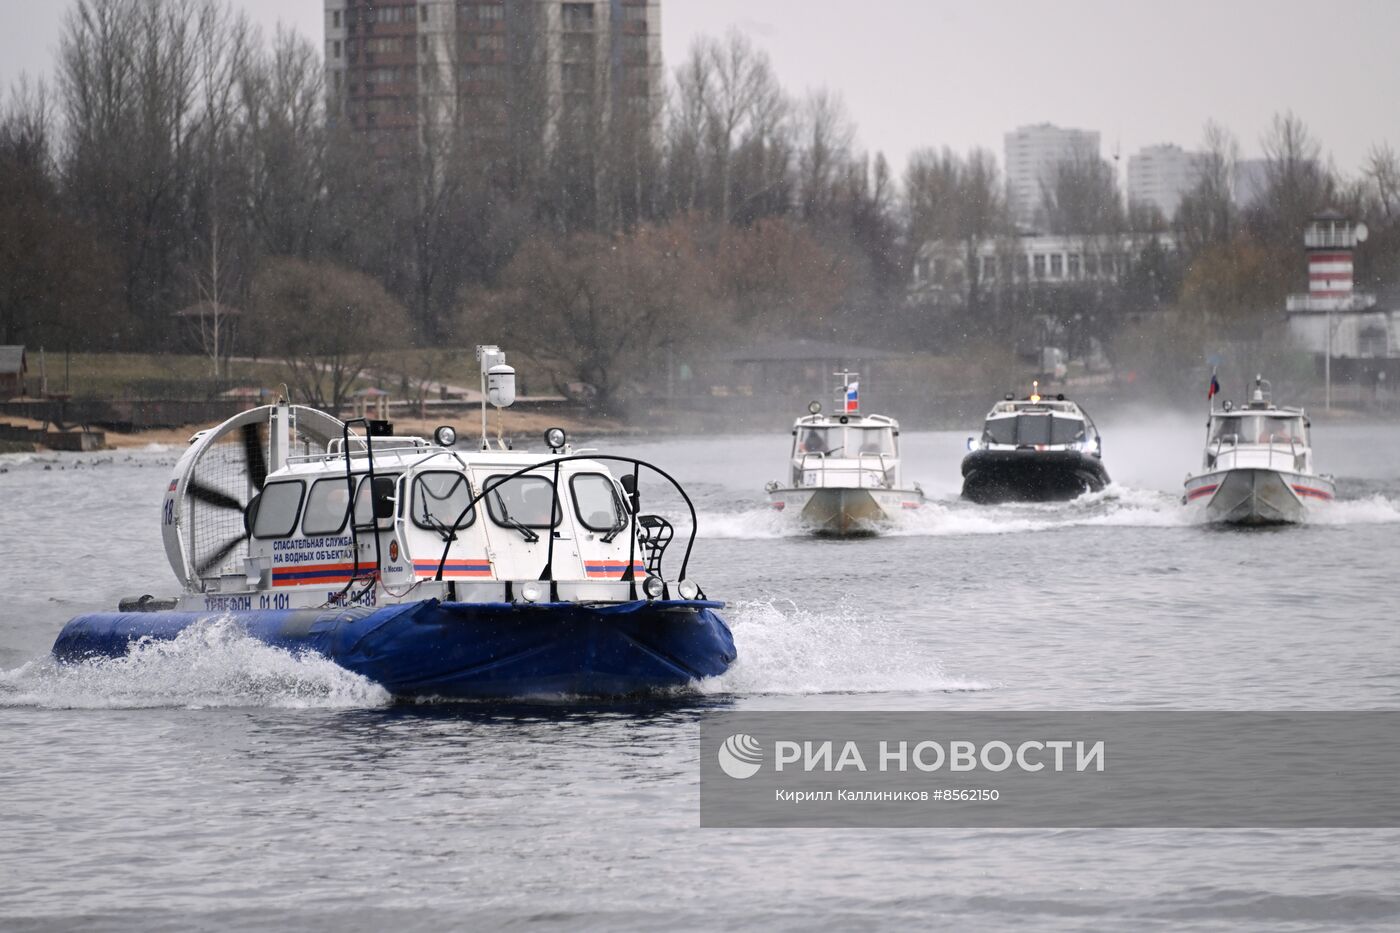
(934, 394)
(184, 184)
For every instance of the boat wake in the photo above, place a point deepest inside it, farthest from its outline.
(210, 664)
(1375, 509)
(792, 651)
(1114, 506)
(755, 523)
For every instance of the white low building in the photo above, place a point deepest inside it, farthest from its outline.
(940, 266)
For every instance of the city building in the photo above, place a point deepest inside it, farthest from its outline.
(396, 68)
(1161, 175)
(1032, 155)
(941, 273)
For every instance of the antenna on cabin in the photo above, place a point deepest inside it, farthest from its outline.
(497, 384)
(848, 402)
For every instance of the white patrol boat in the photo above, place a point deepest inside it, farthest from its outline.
(844, 474)
(1034, 449)
(1258, 465)
(433, 570)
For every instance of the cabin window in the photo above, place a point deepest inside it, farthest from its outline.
(522, 500)
(364, 512)
(278, 506)
(1035, 430)
(1000, 431)
(870, 441)
(596, 501)
(327, 507)
(1259, 429)
(819, 440)
(1066, 431)
(439, 499)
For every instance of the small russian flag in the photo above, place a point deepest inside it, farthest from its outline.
(1214, 387)
(853, 397)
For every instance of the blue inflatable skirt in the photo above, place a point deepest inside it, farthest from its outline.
(465, 650)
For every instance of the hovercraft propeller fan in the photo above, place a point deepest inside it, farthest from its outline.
(211, 500)
(255, 462)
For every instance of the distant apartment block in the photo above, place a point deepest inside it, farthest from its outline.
(1032, 154)
(391, 64)
(1162, 175)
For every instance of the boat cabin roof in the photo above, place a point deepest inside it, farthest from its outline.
(1058, 407)
(1265, 409)
(853, 420)
(396, 454)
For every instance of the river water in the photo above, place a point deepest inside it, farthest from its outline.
(216, 782)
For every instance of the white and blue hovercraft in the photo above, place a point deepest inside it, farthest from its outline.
(430, 569)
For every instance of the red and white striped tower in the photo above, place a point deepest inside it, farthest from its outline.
(1330, 240)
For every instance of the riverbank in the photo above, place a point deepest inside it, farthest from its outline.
(517, 425)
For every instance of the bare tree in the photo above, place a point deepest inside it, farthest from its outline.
(1297, 182)
(959, 203)
(326, 323)
(932, 182)
(740, 81)
(1382, 172)
(685, 132)
(826, 137)
(1207, 214)
(128, 77)
(588, 307)
(57, 282)
(221, 49)
(1082, 197)
(283, 145)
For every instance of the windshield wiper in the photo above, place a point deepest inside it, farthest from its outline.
(527, 533)
(616, 530)
(447, 534)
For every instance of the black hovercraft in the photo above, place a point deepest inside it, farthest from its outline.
(1035, 449)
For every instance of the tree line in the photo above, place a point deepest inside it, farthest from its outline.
(178, 159)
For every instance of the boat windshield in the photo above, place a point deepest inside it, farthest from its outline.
(525, 500)
(1034, 430)
(870, 440)
(845, 441)
(819, 440)
(1258, 429)
(440, 498)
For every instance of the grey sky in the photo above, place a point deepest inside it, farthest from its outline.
(930, 73)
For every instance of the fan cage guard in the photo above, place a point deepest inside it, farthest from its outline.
(223, 467)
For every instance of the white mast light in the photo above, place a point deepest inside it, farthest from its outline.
(500, 385)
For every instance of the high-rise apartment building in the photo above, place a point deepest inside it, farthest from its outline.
(1162, 175)
(1032, 154)
(391, 65)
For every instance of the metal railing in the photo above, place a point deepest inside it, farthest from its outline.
(629, 575)
(884, 469)
(1296, 459)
